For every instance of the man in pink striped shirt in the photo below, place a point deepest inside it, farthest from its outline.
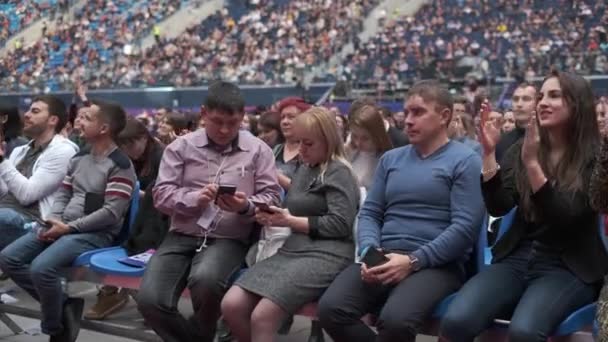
(211, 222)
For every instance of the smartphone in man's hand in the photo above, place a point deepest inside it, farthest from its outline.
(372, 257)
(226, 189)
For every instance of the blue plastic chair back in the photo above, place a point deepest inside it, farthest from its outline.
(129, 221)
(479, 255)
(482, 244)
(506, 222)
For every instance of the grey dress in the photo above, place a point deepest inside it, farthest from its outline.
(308, 263)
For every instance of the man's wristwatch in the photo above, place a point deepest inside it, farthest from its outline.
(414, 263)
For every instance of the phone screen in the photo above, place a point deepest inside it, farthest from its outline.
(262, 206)
(373, 257)
(226, 190)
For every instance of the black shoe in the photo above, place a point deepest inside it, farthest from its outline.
(72, 314)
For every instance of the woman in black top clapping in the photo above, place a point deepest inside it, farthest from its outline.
(552, 260)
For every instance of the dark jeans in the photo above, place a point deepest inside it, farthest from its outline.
(36, 266)
(402, 308)
(531, 286)
(11, 226)
(175, 265)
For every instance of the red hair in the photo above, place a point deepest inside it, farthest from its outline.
(294, 101)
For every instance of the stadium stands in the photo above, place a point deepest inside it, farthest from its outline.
(271, 42)
(280, 41)
(91, 46)
(450, 38)
(16, 15)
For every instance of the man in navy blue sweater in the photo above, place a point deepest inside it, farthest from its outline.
(424, 210)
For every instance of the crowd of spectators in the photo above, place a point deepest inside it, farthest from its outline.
(15, 15)
(261, 42)
(271, 42)
(454, 38)
(92, 46)
(281, 41)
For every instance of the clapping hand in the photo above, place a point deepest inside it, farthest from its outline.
(489, 131)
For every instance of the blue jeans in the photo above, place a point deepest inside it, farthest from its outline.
(11, 226)
(36, 267)
(531, 286)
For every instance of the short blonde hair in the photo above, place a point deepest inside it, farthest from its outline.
(322, 121)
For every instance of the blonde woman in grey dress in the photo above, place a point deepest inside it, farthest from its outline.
(320, 210)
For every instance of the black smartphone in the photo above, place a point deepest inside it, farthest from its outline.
(373, 257)
(262, 206)
(226, 189)
(93, 202)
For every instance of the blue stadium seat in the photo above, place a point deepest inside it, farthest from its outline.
(577, 321)
(106, 262)
(480, 257)
(505, 222)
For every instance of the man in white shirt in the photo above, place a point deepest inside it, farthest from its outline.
(33, 172)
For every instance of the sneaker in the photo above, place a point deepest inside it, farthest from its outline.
(72, 312)
(109, 301)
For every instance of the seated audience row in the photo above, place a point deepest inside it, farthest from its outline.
(218, 186)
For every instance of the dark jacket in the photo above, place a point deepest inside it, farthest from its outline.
(567, 222)
(157, 155)
(12, 143)
(507, 140)
(150, 226)
(397, 137)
